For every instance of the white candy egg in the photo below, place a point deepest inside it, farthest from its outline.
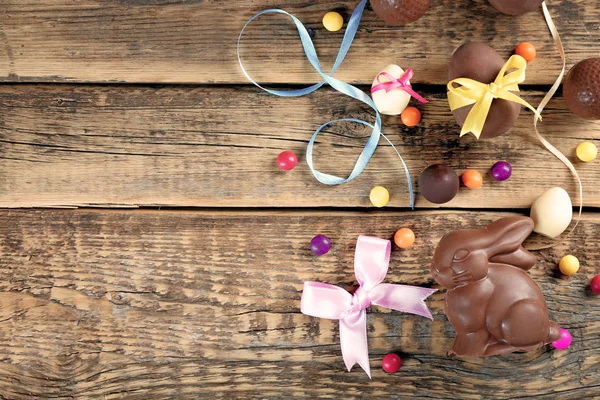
(394, 101)
(552, 212)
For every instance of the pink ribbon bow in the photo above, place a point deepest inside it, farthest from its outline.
(371, 261)
(400, 83)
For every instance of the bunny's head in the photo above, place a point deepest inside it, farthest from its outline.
(465, 256)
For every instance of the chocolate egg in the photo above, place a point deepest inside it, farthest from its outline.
(400, 12)
(438, 183)
(516, 7)
(581, 89)
(480, 62)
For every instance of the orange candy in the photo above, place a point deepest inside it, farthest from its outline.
(472, 179)
(527, 51)
(411, 116)
(404, 238)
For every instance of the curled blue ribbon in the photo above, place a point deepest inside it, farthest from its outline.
(341, 86)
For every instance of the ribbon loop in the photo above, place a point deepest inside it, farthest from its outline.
(469, 91)
(371, 260)
(343, 87)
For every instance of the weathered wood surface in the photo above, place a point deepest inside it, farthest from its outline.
(186, 41)
(145, 304)
(65, 145)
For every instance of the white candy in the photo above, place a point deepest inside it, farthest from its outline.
(394, 101)
(552, 212)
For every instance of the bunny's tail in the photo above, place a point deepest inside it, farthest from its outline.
(554, 332)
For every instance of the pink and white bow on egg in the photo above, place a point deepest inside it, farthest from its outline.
(371, 261)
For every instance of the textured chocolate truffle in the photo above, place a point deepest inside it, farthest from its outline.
(400, 12)
(581, 89)
(492, 303)
(438, 183)
(480, 62)
(516, 7)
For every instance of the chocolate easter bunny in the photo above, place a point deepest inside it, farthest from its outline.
(492, 303)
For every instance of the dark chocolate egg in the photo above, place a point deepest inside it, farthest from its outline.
(581, 89)
(438, 183)
(399, 12)
(480, 62)
(516, 7)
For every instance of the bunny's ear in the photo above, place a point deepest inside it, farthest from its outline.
(507, 234)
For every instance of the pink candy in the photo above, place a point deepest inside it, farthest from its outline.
(565, 340)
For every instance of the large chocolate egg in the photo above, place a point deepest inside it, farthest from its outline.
(480, 62)
(516, 7)
(581, 89)
(399, 12)
(438, 183)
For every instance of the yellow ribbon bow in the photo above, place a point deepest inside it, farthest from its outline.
(481, 95)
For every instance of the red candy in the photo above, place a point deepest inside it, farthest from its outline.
(595, 284)
(287, 160)
(391, 363)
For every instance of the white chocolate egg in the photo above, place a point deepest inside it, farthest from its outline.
(552, 212)
(394, 101)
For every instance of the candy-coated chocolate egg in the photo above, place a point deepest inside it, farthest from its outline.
(287, 160)
(394, 101)
(516, 7)
(391, 363)
(587, 151)
(333, 21)
(480, 62)
(320, 245)
(438, 183)
(472, 179)
(411, 116)
(595, 284)
(527, 51)
(404, 238)
(379, 196)
(568, 265)
(581, 89)
(552, 212)
(400, 12)
(565, 340)
(501, 171)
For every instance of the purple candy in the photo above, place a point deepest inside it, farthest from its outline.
(320, 245)
(501, 171)
(565, 340)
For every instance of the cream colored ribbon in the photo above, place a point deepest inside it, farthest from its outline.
(543, 104)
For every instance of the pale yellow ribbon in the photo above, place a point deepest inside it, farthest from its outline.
(541, 107)
(482, 95)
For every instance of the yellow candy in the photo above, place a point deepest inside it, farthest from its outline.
(333, 21)
(379, 196)
(568, 265)
(587, 151)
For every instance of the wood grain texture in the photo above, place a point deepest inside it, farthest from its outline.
(66, 145)
(193, 41)
(143, 304)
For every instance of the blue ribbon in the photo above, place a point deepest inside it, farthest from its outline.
(343, 87)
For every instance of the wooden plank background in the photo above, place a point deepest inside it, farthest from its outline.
(120, 104)
(113, 304)
(174, 41)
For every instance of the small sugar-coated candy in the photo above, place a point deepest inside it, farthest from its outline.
(526, 50)
(565, 340)
(501, 171)
(287, 160)
(320, 245)
(333, 21)
(411, 116)
(379, 196)
(391, 363)
(587, 151)
(404, 238)
(472, 179)
(595, 284)
(568, 265)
